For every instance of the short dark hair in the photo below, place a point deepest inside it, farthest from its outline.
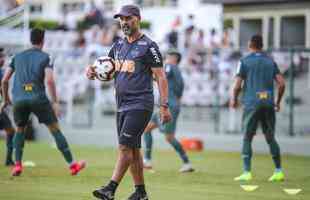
(179, 57)
(175, 52)
(256, 41)
(37, 36)
(1, 52)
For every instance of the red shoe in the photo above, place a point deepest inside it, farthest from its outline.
(76, 167)
(17, 169)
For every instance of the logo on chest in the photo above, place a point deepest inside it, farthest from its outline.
(135, 52)
(125, 66)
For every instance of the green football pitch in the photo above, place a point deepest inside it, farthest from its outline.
(213, 179)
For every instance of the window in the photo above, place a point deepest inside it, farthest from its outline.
(271, 32)
(108, 5)
(249, 27)
(35, 8)
(173, 3)
(73, 7)
(150, 3)
(145, 3)
(209, 1)
(293, 31)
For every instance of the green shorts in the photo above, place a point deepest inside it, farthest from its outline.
(43, 111)
(264, 115)
(167, 128)
(5, 121)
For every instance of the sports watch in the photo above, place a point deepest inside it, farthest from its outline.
(165, 104)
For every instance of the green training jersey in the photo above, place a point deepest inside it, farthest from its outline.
(29, 68)
(175, 84)
(258, 72)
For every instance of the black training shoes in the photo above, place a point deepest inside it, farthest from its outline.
(138, 196)
(104, 193)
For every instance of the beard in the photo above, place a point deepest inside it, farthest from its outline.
(127, 30)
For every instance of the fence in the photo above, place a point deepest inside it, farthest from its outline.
(205, 100)
(295, 118)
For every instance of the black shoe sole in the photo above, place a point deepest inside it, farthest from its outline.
(99, 195)
(188, 171)
(17, 174)
(134, 198)
(9, 163)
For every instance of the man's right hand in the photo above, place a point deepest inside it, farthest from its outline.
(277, 107)
(233, 103)
(4, 104)
(90, 72)
(56, 108)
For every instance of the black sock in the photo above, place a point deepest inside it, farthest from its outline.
(140, 188)
(113, 185)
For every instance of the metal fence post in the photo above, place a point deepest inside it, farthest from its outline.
(217, 103)
(291, 93)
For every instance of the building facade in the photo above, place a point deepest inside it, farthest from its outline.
(283, 23)
(161, 14)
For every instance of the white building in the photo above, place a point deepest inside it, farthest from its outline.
(159, 13)
(283, 23)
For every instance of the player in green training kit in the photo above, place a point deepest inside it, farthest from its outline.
(5, 122)
(176, 87)
(33, 68)
(255, 76)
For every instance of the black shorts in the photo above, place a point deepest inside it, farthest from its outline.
(5, 121)
(43, 111)
(131, 125)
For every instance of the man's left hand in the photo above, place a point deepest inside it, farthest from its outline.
(165, 115)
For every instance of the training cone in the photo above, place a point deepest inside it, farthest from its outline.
(292, 191)
(29, 164)
(192, 144)
(53, 145)
(249, 188)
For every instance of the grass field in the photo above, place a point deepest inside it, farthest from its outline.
(50, 179)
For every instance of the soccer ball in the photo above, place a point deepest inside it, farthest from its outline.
(105, 68)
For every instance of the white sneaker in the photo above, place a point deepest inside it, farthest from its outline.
(147, 164)
(186, 168)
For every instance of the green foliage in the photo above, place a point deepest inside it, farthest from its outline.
(84, 24)
(228, 23)
(145, 24)
(44, 24)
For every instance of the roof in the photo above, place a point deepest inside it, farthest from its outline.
(238, 2)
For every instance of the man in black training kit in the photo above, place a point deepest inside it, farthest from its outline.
(33, 70)
(5, 122)
(137, 59)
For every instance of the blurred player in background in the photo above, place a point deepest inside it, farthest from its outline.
(5, 122)
(137, 59)
(176, 88)
(255, 76)
(33, 70)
